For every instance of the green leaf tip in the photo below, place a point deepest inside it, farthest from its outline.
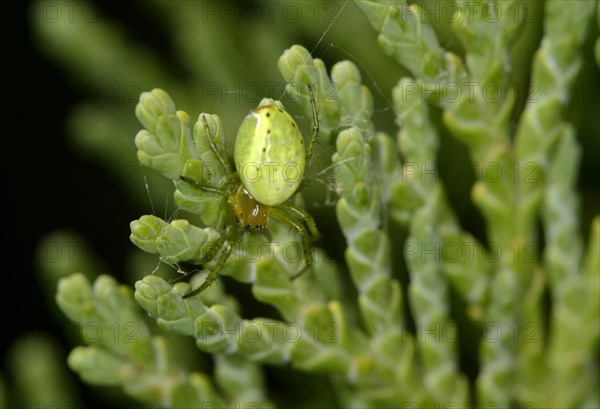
(166, 142)
(152, 106)
(146, 231)
(174, 242)
(292, 61)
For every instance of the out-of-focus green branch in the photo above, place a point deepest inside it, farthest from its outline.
(120, 350)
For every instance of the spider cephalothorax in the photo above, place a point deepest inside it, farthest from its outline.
(251, 214)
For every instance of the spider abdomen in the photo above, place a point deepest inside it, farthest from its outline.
(270, 155)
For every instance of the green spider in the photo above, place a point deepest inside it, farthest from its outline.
(270, 159)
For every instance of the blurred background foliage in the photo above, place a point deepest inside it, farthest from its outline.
(89, 63)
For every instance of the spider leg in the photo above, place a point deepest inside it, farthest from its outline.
(185, 274)
(302, 215)
(226, 248)
(213, 249)
(281, 215)
(209, 255)
(213, 146)
(214, 273)
(202, 187)
(221, 157)
(315, 128)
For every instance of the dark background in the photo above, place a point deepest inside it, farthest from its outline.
(51, 187)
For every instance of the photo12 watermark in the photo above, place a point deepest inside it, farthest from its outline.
(445, 93)
(271, 12)
(470, 11)
(263, 405)
(268, 331)
(266, 171)
(468, 252)
(472, 171)
(64, 251)
(127, 92)
(488, 332)
(54, 12)
(8, 404)
(95, 332)
(463, 405)
(253, 92)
